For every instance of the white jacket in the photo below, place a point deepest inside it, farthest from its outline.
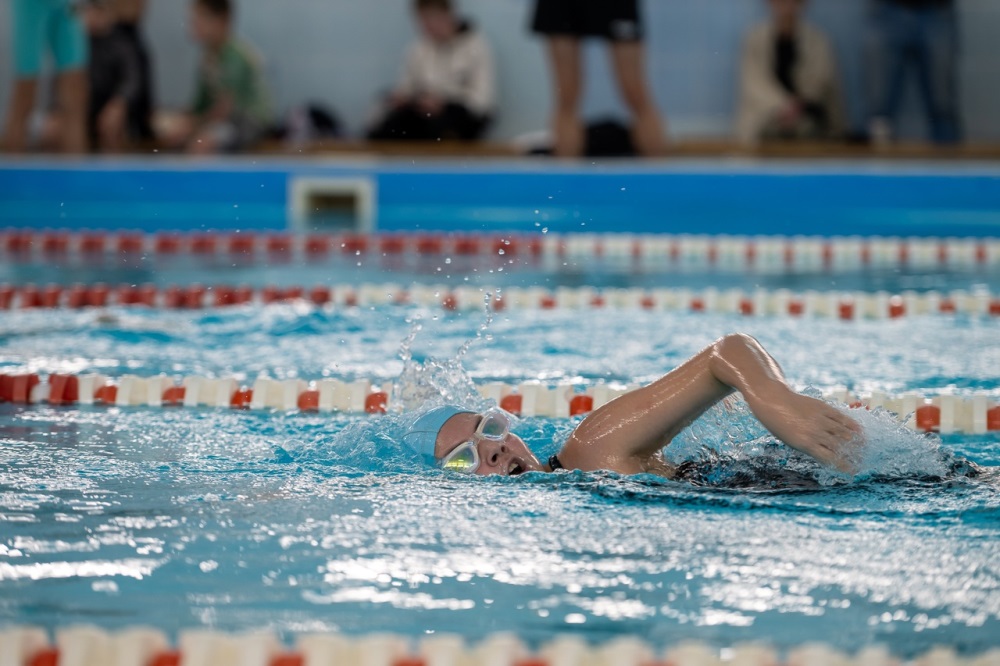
(762, 96)
(460, 70)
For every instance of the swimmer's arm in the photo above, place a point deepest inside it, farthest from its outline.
(625, 434)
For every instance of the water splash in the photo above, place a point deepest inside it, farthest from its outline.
(374, 445)
(432, 382)
(729, 446)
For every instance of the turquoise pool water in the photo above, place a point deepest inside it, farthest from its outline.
(183, 518)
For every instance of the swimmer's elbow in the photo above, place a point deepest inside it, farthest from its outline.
(728, 349)
(736, 341)
(739, 361)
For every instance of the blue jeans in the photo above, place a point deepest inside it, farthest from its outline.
(926, 41)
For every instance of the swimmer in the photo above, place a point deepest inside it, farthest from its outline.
(628, 434)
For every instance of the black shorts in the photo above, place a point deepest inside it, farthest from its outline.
(614, 20)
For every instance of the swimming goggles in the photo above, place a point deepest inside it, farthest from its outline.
(464, 458)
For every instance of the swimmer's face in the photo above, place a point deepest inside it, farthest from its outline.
(509, 456)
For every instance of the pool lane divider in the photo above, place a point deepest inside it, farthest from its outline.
(944, 414)
(845, 306)
(142, 646)
(640, 251)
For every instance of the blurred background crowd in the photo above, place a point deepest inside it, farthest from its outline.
(568, 77)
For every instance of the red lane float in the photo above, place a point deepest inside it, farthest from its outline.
(581, 404)
(993, 419)
(859, 305)
(647, 251)
(929, 418)
(47, 657)
(64, 390)
(241, 399)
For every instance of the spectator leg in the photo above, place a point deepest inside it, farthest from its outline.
(888, 46)
(22, 102)
(567, 70)
(938, 75)
(628, 59)
(73, 94)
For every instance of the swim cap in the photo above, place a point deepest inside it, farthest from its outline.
(422, 435)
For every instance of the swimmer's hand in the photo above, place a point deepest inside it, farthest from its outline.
(810, 426)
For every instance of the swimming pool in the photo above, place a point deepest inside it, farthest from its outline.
(865, 279)
(180, 518)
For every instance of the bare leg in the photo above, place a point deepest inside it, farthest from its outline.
(22, 101)
(73, 97)
(565, 57)
(51, 133)
(648, 133)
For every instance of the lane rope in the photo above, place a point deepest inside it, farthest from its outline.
(643, 251)
(946, 414)
(842, 305)
(143, 646)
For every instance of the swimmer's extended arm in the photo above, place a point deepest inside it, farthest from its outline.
(626, 433)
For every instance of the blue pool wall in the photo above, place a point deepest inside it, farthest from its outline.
(739, 198)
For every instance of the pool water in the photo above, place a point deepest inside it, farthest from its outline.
(303, 522)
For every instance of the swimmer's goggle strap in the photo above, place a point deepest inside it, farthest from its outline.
(494, 426)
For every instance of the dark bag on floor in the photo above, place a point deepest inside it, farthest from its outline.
(608, 138)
